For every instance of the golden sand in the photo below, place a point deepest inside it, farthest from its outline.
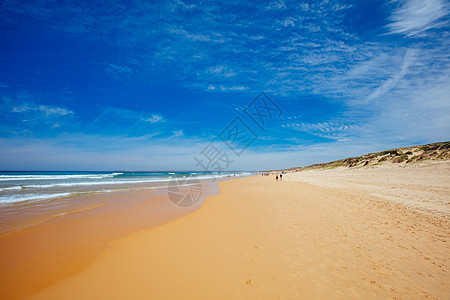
(261, 239)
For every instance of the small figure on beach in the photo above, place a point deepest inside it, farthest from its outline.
(281, 176)
(276, 177)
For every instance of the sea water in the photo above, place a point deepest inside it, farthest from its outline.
(32, 186)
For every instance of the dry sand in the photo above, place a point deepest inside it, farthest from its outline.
(278, 240)
(423, 186)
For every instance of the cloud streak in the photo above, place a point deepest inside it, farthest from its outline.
(44, 109)
(413, 17)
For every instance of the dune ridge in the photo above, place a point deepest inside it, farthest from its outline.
(405, 155)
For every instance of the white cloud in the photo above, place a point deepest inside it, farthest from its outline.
(154, 119)
(224, 88)
(178, 133)
(220, 71)
(113, 69)
(46, 110)
(232, 88)
(289, 21)
(256, 37)
(276, 5)
(304, 6)
(416, 16)
(127, 116)
(408, 59)
(331, 130)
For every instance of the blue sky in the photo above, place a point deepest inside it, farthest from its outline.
(147, 85)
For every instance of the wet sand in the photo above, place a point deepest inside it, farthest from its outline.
(278, 240)
(51, 247)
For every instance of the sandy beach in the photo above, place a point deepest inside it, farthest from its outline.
(322, 234)
(224, 150)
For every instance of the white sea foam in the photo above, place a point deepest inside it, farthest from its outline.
(90, 183)
(55, 177)
(28, 197)
(10, 188)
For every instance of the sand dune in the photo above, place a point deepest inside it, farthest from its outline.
(326, 238)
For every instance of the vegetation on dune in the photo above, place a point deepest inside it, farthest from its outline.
(406, 155)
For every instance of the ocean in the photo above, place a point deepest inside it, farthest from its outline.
(34, 186)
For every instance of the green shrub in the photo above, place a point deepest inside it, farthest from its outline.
(390, 152)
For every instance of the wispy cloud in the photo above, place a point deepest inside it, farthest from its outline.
(389, 84)
(177, 133)
(128, 122)
(331, 130)
(413, 17)
(44, 109)
(220, 70)
(112, 68)
(276, 5)
(224, 88)
(154, 119)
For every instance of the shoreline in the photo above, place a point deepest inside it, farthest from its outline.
(264, 239)
(62, 245)
(29, 199)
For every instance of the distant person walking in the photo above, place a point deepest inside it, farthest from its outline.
(276, 177)
(281, 176)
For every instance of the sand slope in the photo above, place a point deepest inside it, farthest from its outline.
(276, 240)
